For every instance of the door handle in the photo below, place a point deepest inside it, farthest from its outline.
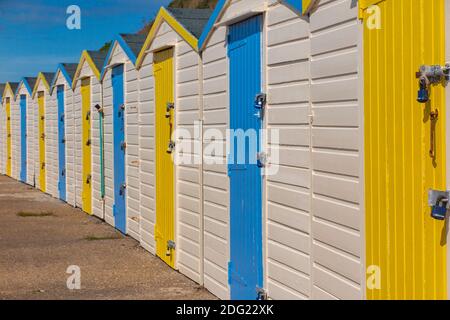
(123, 145)
(88, 142)
(88, 179)
(63, 140)
(43, 136)
(63, 172)
(43, 166)
(88, 115)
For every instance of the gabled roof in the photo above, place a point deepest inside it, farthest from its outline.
(194, 20)
(222, 5)
(131, 44)
(29, 83)
(180, 21)
(95, 59)
(45, 77)
(67, 70)
(12, 87)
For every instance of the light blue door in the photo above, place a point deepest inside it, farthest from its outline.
(245, 266)
(23, 138)
(119, 149)
(61, 143)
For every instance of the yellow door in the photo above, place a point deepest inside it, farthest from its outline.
(404, 151)
(165, 220)
(86, 145)
(41, 107)
(8, 137)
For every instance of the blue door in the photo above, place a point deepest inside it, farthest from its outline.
(119, 149)
(61, 143)
(23, 138)
(245, 266)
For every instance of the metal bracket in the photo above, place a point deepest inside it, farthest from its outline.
(260, 104)
(428, 75)
(170, 246)
(436, 196)
(261, 159)
(123, 186)
(169, 106)
(170, 147)
(262, 293)
(439, 203)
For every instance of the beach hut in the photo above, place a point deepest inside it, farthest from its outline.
(2, 131)
(24, 101)
(121, 135)
(88, 94)
(12, 152)
(41, 98)
(256, 80)
(353, 187)
(170, 100)
(62, 132)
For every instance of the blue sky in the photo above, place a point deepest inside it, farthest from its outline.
(34, 36)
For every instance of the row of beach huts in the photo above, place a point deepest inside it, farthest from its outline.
(331, 202)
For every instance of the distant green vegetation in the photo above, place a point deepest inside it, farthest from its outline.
(193, 4)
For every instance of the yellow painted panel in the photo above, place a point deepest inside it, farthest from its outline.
(8, 137)
(402, 239)
(86, 145)
(41, 112)
(165, 215)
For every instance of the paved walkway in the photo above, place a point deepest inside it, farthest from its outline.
(40, 237)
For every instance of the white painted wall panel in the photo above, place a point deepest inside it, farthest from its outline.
(336, 150)
(51, 149)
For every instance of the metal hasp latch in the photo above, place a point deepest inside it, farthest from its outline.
(170, 106)
(123, 186)
(170, 147)
(439, 203)
(429, 75)
(260, 104)
(262, 294)
(170, 246)
(261, 159)
(88, 179)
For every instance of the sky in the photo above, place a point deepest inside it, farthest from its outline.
(34, 36)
